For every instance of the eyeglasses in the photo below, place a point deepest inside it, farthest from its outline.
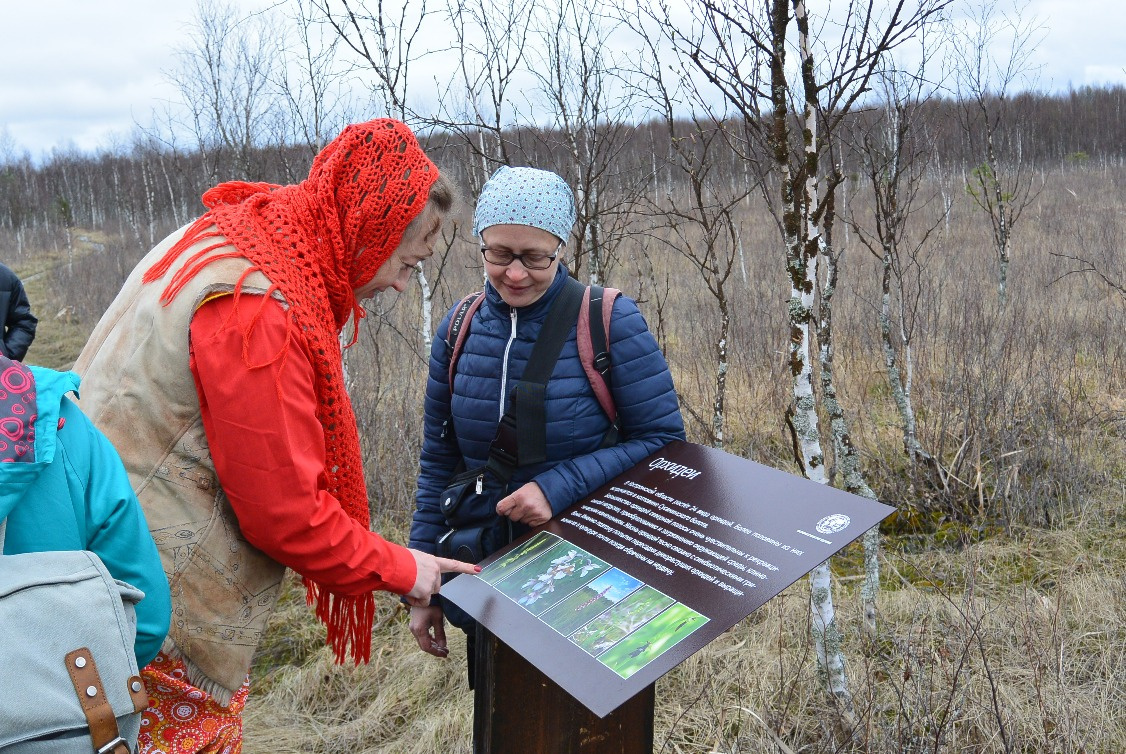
(504, 257)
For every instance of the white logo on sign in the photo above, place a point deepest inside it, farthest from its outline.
(833, 524)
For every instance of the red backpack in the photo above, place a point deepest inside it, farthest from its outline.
(593, 341)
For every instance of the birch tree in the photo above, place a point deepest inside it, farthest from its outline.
(588, 105)
(313, 84)
(490, 43)
(896, 156)
(224, 75)
(474, 109)
(1001, 182)
(741, 49)
(386, 42)
(698, 223)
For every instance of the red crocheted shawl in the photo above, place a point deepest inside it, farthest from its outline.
(317, 241)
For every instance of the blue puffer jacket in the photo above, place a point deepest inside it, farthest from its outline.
(491, 363)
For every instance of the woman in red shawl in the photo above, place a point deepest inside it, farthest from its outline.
(216, 372)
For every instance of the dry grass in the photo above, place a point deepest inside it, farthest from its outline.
(403, 701)
(1002, 610)
(1018, 639)
(58, 292)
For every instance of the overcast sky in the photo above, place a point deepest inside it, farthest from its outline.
(82, 73)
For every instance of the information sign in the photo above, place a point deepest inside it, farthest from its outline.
(626, 584)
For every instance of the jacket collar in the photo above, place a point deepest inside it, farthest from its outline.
(538, 307)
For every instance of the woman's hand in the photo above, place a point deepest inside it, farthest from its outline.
(429, 628)
(526, 505)
(428, 578)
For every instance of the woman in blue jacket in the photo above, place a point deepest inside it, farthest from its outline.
(524, 217)
(63, 487)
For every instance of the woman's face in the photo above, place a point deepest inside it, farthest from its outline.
(417, 245)
(515, 283)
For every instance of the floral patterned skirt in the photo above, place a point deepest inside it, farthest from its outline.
(181, 719)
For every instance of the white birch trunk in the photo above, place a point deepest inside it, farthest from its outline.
(345, 337)
(899, 378)
(1003, 266)
(148, 180)
(594, 236)
(719, 409)
(427, 326)
(826, 634)
(484, 160)
(847, 459)
(742, 256)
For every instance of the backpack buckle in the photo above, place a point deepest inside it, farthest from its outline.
(505, 445)
(504, 456)
(602, 362)
(119, 741)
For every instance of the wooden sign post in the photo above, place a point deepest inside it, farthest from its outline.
(517, 709)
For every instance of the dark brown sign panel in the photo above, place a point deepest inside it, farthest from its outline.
(626, 584)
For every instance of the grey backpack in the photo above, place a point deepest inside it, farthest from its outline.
(68, 675)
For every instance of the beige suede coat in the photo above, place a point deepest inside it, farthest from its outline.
(138, 389)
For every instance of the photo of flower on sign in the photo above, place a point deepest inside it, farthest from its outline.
(610, 614)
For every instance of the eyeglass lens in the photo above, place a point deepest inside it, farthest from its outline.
(504, 258)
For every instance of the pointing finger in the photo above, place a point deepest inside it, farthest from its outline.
(457, 566)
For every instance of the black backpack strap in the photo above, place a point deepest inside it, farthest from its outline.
(598, 333)
(522, 435)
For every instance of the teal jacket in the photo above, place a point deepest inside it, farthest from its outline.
(75, 495)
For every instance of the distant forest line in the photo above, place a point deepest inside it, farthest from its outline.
(150, 188)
